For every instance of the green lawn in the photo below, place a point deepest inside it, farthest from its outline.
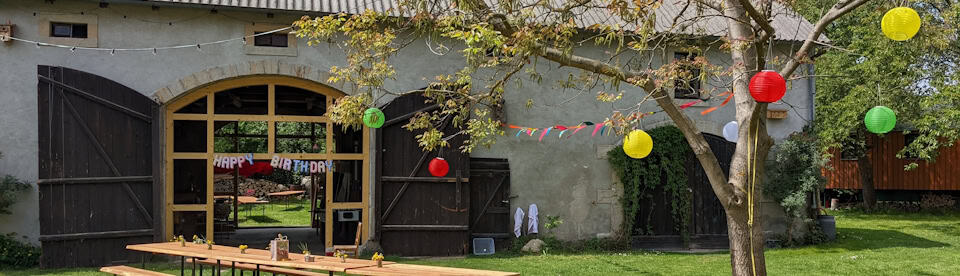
(292, 212)
(867, 245)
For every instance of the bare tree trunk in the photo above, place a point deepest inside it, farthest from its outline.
(866, 181)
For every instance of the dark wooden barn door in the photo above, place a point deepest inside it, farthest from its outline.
(656, 226)
(418, 214)
(96, 169)
(490, 200)
(709, 225)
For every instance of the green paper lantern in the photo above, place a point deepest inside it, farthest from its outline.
(373, 117)
(880, 119)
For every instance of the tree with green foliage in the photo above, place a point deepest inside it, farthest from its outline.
(916, 78)
(500, 39)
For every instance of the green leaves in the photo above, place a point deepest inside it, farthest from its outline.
(10, 192)
(640, 177)
(915, 78)
(795, 172)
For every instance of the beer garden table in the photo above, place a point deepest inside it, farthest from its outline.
(252, 256)
(331, 264)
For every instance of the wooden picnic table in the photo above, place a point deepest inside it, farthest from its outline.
(242, 199)
(252, 256)
(286, 193)
(330, 264)
(246, 200)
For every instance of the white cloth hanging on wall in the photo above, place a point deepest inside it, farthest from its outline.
(532, 224)
(518, 222)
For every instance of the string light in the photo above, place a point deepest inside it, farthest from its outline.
(154, 50)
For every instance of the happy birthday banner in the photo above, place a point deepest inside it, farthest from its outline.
(277, 162)
(603, 127)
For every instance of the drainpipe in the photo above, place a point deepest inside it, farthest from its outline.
(811, 86)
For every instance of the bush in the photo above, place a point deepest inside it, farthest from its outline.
(793, 176)
(10, 189)
(17, 254)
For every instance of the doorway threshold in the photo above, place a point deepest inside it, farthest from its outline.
(259, 237)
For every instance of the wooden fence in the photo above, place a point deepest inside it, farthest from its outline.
(888, 170)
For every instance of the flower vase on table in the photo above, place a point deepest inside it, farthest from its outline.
(341, 255)
(378, 258)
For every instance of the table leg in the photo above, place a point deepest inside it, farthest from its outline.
(218, 267)
(182, 260)
(233, 268)
(257, 271)
(143, 261)
(194, 271)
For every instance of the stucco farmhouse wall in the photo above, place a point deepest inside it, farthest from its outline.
(568, 177)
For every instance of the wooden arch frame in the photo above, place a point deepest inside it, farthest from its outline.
(271, 81)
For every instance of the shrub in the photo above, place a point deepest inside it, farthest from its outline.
(794, 175)
(17, 254)
(10, 189)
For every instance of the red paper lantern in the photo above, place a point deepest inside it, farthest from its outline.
(767, 86)
(438, 167)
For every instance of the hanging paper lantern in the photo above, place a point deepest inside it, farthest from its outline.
(637, 144)
(438, 167)
(767, 86)
(731, 131)
(880, 119)
(900, 23)
(373, 117)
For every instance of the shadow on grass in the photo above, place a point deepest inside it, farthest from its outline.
(861, 239)
(293, 208)
(261, 219)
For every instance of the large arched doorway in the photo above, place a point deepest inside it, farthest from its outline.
(226, 139)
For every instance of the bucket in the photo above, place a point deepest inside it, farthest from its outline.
(829, 226)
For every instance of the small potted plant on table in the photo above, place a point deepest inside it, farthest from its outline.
(378, 258)
(341, 255)
(306, 253)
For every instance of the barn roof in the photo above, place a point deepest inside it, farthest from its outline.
(790, 26)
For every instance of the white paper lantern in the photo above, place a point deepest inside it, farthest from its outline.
(731, 131)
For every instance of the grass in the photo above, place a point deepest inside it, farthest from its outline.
(292, 212)
(867, 244)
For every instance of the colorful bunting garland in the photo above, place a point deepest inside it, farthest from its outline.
(603, 127)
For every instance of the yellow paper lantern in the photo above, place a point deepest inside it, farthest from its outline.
(637, 144)
(900, 23)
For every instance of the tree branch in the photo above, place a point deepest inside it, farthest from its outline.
(841, 8)
(759, 18)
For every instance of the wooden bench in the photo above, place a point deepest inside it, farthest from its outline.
(263, 268)
(130, 271)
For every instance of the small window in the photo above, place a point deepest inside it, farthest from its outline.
(71, 30)
(270, 40)
(689, 86)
